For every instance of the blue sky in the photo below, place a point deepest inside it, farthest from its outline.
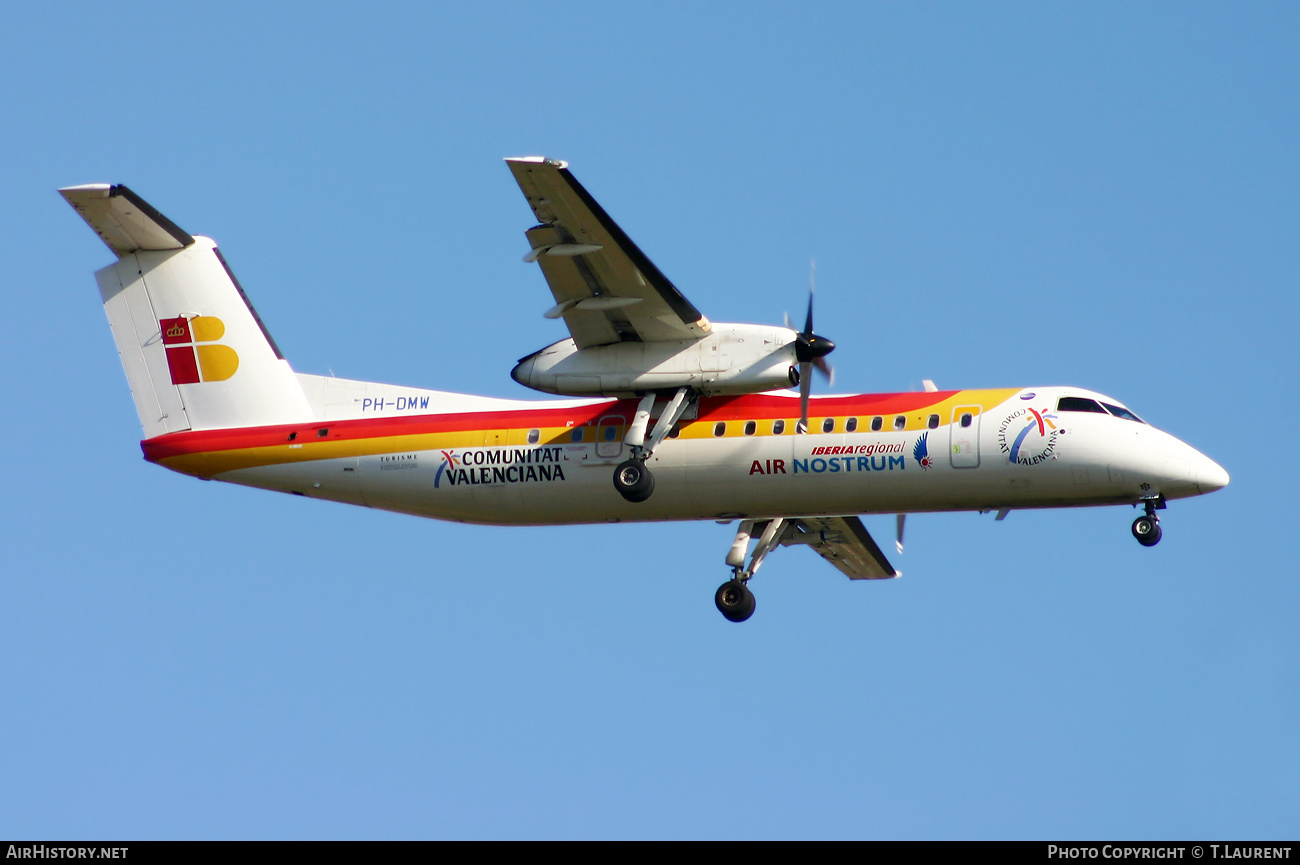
(1001, 194)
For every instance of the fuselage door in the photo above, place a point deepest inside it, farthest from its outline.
(965, 449)
(609, 436)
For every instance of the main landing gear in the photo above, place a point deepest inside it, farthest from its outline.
(632, 479)
(733, 598)
(1146, 528)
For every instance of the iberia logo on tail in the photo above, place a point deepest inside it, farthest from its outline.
(192, 355)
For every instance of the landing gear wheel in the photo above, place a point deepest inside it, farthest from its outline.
(735, 601)
(1147, 531)
(634, 481)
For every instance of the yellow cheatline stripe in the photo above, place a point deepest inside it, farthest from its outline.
(211, 463)
(917, 419)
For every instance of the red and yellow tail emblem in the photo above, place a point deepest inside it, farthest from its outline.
(190, 355)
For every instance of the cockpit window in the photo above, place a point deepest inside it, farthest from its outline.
(1119, 411)
(1078, 403)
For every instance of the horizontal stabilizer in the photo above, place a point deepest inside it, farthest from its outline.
(195, 352)
(124, 220)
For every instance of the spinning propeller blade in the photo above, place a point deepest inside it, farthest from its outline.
(810, 350)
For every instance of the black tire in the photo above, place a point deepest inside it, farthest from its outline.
(1147, 531)
(634, 481)
(735, 601)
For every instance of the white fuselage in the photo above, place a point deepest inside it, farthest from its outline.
(522, 465)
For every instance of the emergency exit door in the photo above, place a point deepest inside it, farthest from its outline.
(964, 450)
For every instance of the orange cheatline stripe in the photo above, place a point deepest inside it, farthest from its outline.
(210, 452)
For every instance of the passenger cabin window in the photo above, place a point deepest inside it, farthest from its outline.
(877, 424)
(851, 425)
(750, 427)
(778, 427)
(534, 435)
(609, 433)
(1120, 411)
(576, 435)
(1078, 403)
(933, 422)
(828, 425)
(966, 419)
(720, 428)
(900, 421)
(675, 431)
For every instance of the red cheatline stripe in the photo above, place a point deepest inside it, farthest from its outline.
(712, 409)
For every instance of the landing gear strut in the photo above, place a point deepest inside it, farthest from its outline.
(632, 479)
(1146, 528)
(733, 598)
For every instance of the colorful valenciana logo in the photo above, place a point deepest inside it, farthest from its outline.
(1025, 448)
(193, 354)
(449, 459)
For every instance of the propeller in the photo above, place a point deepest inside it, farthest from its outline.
(810, 350)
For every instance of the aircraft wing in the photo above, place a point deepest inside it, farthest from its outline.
(605, 288)
(846, 544)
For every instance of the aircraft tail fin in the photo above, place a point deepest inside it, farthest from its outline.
(195, 352)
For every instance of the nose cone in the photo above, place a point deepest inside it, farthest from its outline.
(523, 371)
(1210, 476)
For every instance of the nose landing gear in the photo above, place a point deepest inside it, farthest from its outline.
(1146, 528)
(1147, 531)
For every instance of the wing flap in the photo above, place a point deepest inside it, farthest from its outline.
(123, 220)
(584, 254)
(846, 544)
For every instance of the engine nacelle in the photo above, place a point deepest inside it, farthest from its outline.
(733, 359)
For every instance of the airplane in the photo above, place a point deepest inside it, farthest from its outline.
(691, 419)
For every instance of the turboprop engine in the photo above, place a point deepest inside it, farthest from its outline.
(732, 359)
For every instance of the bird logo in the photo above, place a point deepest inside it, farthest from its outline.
(922, 451)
